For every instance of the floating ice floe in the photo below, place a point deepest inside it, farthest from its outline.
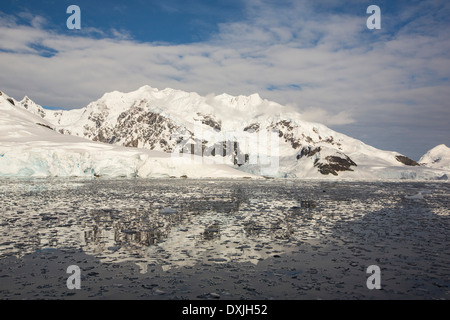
(417, 196)
(168, 210)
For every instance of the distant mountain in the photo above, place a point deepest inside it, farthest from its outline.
(248, 133)
(438, 158)
(30, 147)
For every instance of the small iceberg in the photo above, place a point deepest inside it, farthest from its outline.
(418, 196)
(168, 210)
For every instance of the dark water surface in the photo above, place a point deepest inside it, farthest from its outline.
(223, 239)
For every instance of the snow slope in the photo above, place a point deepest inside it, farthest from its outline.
(30, 147)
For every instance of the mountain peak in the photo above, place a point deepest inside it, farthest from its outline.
(147, 88)
(438, 157)
(441, 147)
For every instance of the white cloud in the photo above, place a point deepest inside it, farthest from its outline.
(326, 118)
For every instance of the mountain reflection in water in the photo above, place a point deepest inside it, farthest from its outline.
(173, 223)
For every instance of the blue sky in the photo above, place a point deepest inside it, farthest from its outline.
(388, 87)
(172, 21)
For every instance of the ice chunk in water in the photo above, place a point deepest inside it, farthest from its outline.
(417, 196)
(168, 210)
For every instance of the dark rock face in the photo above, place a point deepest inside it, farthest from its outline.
(254, 127)
(11, 101)
(406, 161)
(44, 125)
(26, 104)
(286, 129)
(334, 165)
(209, 120)
(139, 127)
(308, 152)
(135, 127)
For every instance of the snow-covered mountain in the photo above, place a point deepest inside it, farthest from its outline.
(438, 158)
(248, 133)
(29, 146)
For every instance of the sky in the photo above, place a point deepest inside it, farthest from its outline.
(388, 87)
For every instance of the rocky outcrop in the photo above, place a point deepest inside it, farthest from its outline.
(334, 164)
(406, 161)
(286, 131)
(254, 127)
(331, 162)
(45, 126)
(308, 152)
(135, 127)
(209, 120)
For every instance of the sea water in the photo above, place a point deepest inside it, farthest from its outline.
(247, 238)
